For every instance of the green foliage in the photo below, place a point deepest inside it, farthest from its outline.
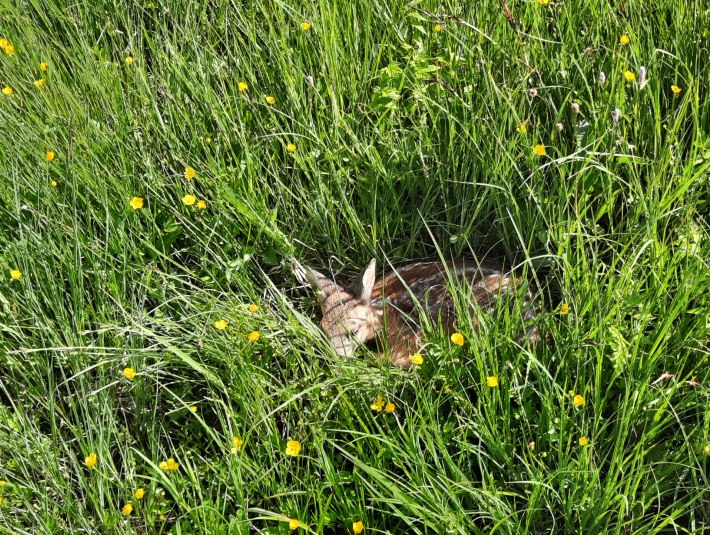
(409, 145)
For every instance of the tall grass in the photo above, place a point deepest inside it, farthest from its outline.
(410, 143)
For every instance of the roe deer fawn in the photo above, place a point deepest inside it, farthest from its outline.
(387, 309)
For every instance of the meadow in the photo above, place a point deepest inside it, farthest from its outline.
(161, 371)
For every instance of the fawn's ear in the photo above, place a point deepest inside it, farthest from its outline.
(367, 281)
(322, 286)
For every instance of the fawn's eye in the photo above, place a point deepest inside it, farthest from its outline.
(372, 345)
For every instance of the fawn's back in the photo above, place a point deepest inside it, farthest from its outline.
(386, 311)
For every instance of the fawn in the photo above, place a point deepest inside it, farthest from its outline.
(387, 309)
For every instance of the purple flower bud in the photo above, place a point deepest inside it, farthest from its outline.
(532, 92)
(559, 127)
(602, 78)
(575, 107)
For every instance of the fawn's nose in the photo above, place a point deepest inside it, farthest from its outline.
(343, 346)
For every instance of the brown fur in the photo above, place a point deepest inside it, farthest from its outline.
(387, 309)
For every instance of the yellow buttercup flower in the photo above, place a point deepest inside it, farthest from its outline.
(3, 42)
(254, 336)
(43, 66)
(564, 309)
(90, 460)
(50, 155)
(578, 400)
(7, 90)
(293, 524)
(293, 448)
(193, 408)
(438, 28)
(127, 509)
(221, 324)
(457, 338)
(624, 40)
(583, 441)
(390, 408)
(629, 76)
(136, 203)
(417, 359)
(139, 493)
(15, 274)
(543, 2)
(9, 50)
(253, 308)
(305, 26)
(676, 90)
(170, 464)
(53, 183)
(41, 82)
(522, 128)
(270, 100)
(129, 60)
(236, 444)
(358, 527)
(189, 200)
(379, 404)
(492, 381)
(201, 204)
(190, 173)
(539, 150)
(291, 147)
(242, 86)
(129, 373)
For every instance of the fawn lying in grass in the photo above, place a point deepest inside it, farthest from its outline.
(388, 309)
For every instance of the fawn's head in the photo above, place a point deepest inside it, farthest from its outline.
(349, 320)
